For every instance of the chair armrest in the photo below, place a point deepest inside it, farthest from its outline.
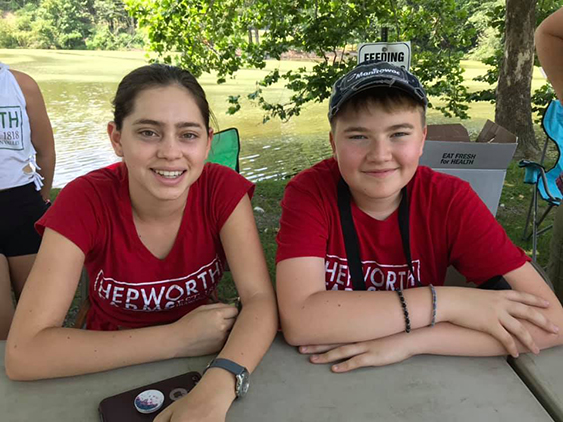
(528, 163)
(541, 169)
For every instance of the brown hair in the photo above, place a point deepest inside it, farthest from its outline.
(389, 99)
(151, 76)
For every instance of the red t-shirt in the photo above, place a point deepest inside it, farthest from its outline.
(449, 225)
(129, 286)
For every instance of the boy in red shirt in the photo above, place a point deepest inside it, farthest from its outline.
(371, 219)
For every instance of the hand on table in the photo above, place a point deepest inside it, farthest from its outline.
(379, 352)
(497, 313)
(205, 330)
(200, 405)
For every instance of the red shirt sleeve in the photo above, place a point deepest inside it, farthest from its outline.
(478, 245)
(304, 223)
(73, 215)
(227, 188)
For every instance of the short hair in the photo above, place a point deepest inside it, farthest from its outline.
(389, 99)
(153, 76)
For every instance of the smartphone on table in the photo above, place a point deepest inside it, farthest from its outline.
(144, 403)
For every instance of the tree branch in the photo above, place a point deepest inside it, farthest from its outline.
(397, 27)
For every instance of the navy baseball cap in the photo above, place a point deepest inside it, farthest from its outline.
(374, 74)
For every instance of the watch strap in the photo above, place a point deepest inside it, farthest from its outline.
(228, 365)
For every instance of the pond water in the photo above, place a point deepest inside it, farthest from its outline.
(79, 85)
(79, 113)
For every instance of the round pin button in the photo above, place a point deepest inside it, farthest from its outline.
(149, 401)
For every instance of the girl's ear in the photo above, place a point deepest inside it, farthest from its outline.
(209, 142)
(115, 138)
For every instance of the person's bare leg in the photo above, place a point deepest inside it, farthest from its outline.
(6, 302)
(20, 267)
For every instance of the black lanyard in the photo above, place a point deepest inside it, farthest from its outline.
(351, 236)
(353, 249)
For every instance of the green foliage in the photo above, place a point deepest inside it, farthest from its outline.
(487, 18)
(69, 24)
(64, 23)
(13, 5)
(114, 29)
(205, 36)
(541, 98)
(7, 34)
(102, 38)
(490, 50)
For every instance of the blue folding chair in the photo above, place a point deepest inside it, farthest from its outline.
(542, 179)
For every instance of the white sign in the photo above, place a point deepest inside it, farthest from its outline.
(397, 53)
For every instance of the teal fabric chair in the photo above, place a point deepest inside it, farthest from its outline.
(225, 148)
(543, 181)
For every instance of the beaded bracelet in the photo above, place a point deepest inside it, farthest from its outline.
(433, 290)
(405, 311)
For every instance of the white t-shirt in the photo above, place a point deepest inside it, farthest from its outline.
(17, 154)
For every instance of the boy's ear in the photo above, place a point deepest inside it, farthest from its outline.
(424, 133)
(115, 138)
(332, 145)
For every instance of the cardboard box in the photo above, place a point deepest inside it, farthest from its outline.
(482, 163)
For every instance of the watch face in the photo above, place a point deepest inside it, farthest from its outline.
(243, 382)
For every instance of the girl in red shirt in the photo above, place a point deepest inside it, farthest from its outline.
(154, 233)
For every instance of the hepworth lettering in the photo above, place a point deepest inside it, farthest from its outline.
(376, 276)
(11, 128)
(162, 294)
(10, 119)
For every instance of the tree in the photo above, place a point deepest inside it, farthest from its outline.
(13, 5)
(513, 107)
(112, 13)
(112, 27)
(63, 23)
(493, 14)
(205, 36)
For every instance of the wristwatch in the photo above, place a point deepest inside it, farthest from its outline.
(241, 374)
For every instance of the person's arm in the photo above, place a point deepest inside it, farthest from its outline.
(549, 46)
(446, 338)
(41, 130)
(310, 315)
(254, 329)
(524, 279)
(527, 280)
(39, 347)
(257, 322)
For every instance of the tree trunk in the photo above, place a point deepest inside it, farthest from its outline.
(513, 108)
